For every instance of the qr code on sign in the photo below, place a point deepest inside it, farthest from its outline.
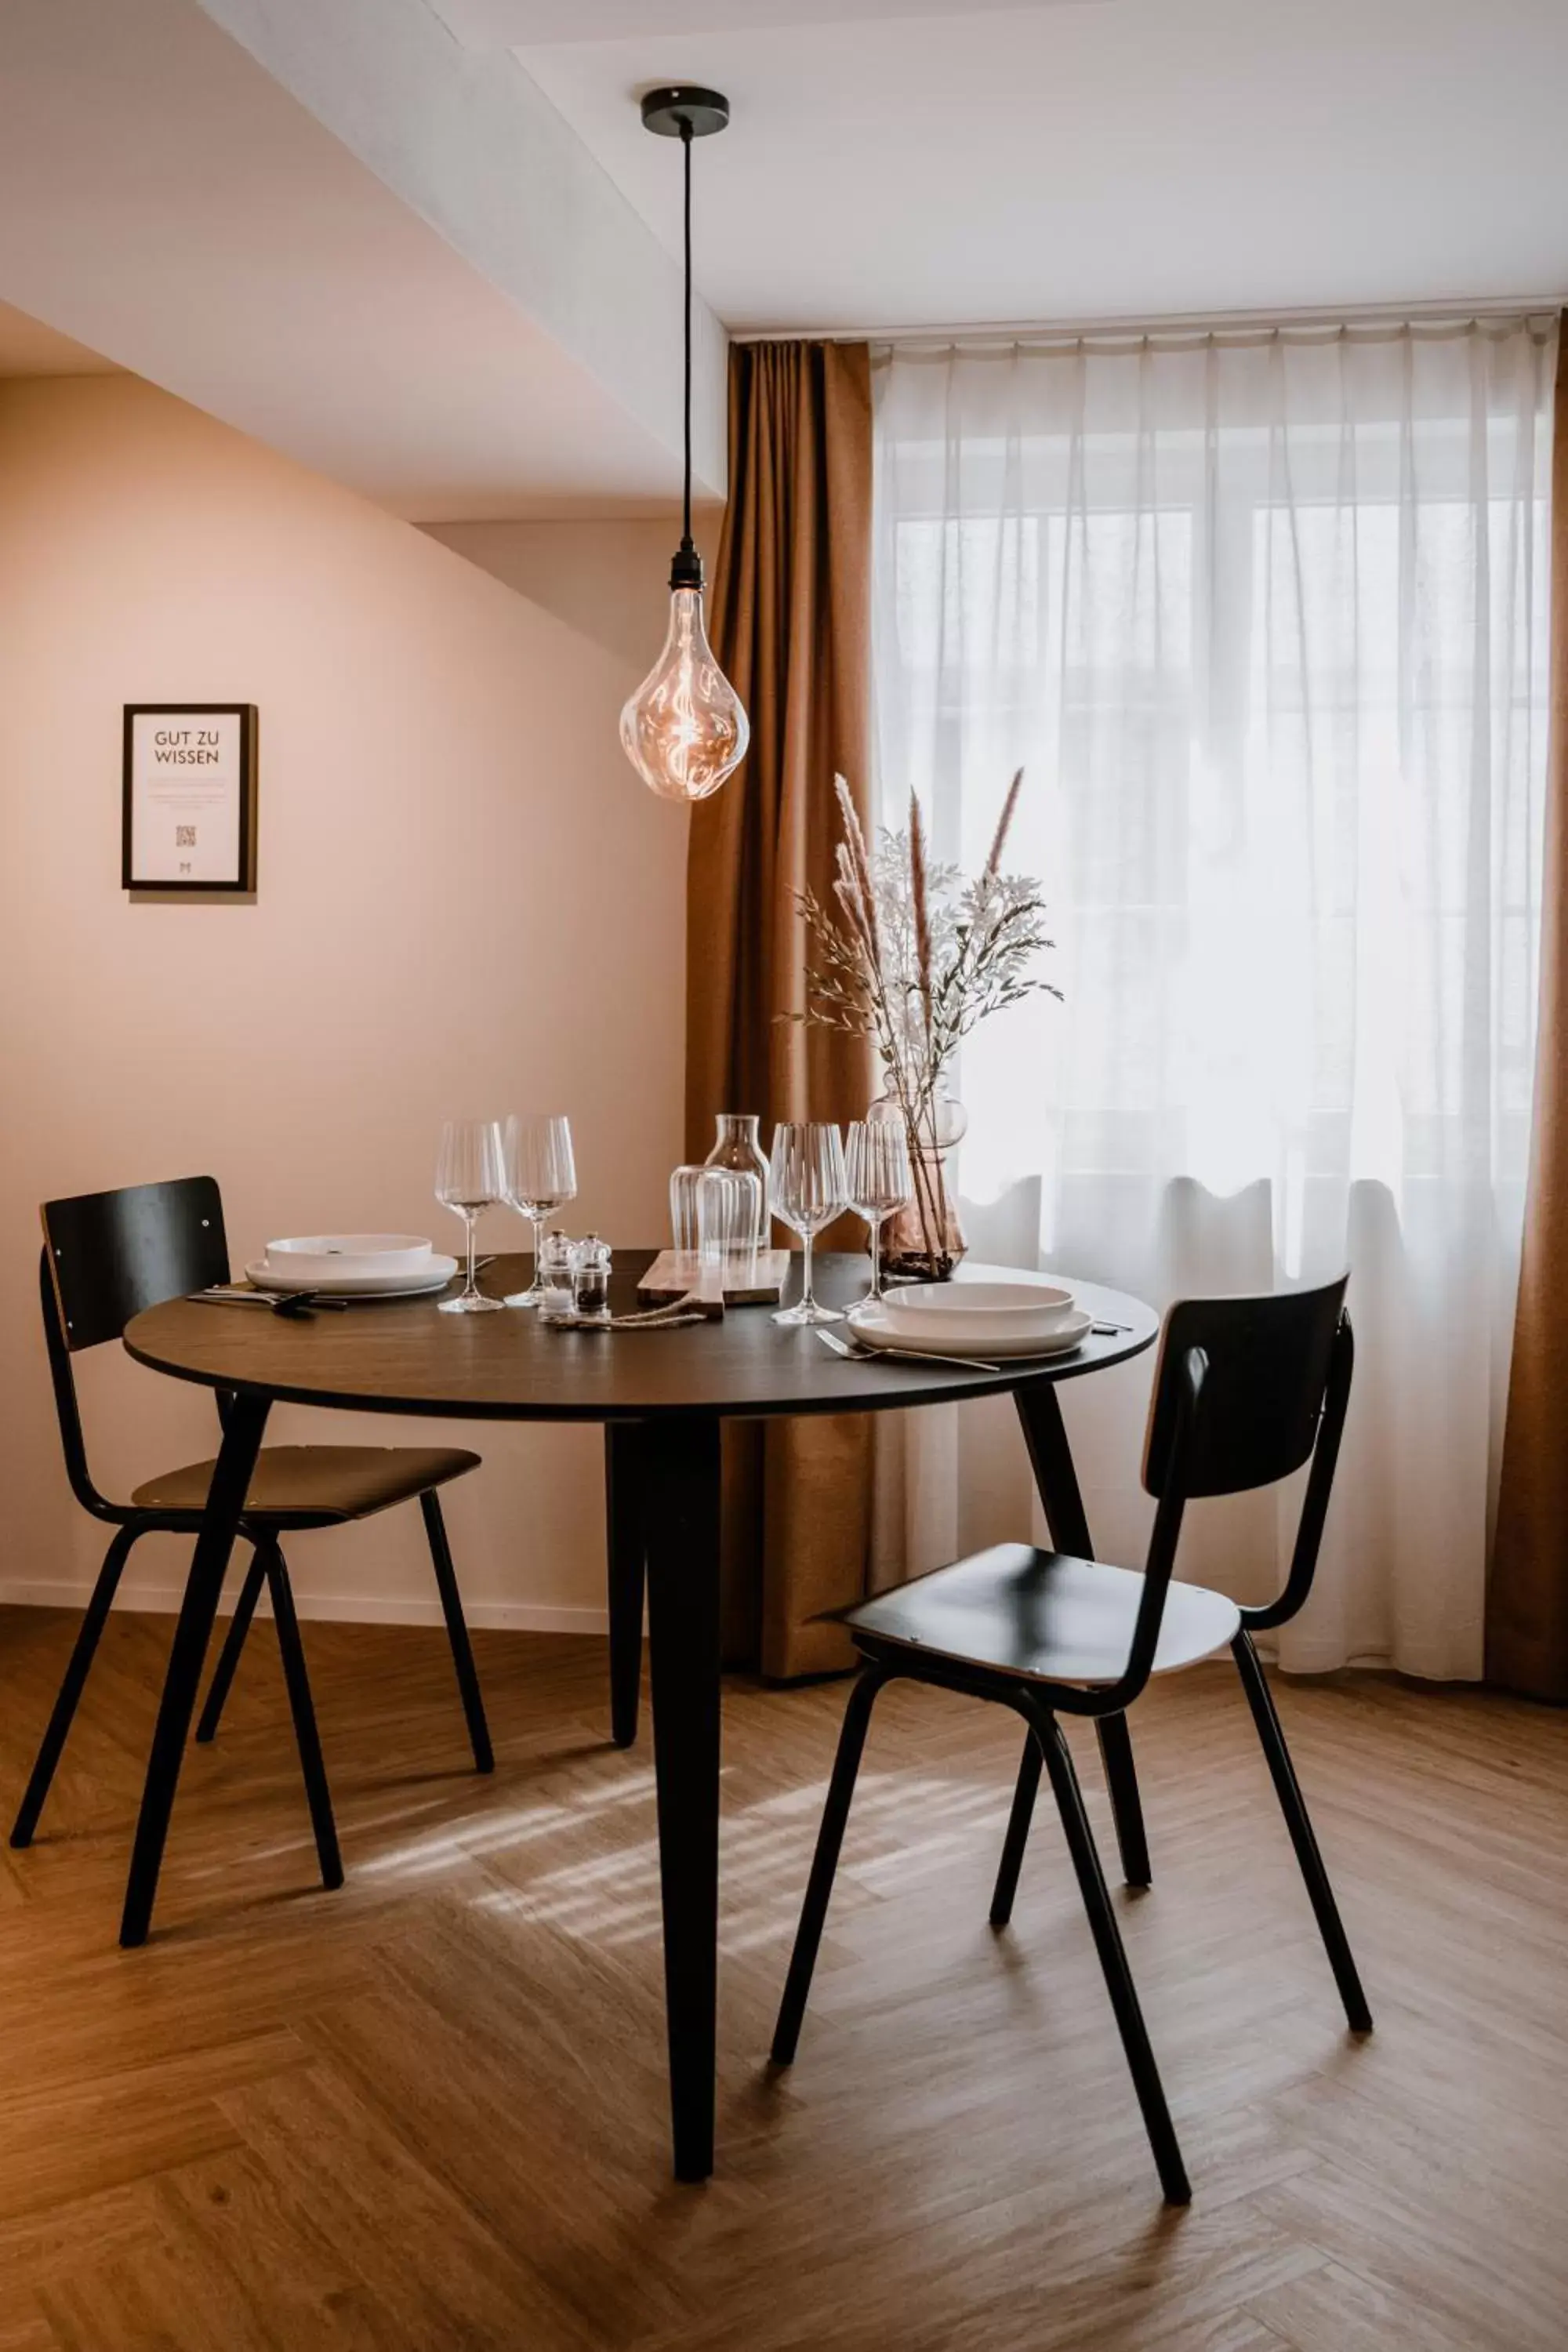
(184, 836)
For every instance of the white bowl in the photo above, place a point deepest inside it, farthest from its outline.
(932, 1310)
(987, 1337)
(321, 1257)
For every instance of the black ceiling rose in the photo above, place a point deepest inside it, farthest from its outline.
(683, 107)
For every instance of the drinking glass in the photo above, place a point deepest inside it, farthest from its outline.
(468, 1178)
(729, 1202)
(879, 1180)
(540, 1178)
(683, 1184)
(807, 1190)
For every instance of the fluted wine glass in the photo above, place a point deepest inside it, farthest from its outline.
(468, 1181)
(540, 1177)
(806, 1189)
(878, 1180)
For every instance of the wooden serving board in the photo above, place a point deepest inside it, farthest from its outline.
(674, 1271)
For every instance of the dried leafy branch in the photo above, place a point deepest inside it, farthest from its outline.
(915, 956)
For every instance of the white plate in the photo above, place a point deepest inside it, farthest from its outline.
(434, 1274)
(881, 1331)
(978, 1311)
(319, 1257)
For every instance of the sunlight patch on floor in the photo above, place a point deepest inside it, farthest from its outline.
(902, 1824)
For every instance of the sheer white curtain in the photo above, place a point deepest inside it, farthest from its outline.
(1263, 617)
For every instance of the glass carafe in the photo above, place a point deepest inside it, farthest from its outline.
(736, 1145)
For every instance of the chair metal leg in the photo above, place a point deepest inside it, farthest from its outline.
(824, 1863)
(1126, 1805)
(1112, 1957)
(1292, 1804)
(458, 1634)
(301, 1707)
(627, 1566)
(1017, 1836)
(234, 1643)
(94, 1618)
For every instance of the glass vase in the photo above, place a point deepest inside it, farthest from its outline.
(736, 1145)
(925, 1241)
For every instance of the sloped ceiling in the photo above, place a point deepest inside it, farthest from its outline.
(342, 232)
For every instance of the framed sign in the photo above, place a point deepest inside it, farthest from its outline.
(189, 821)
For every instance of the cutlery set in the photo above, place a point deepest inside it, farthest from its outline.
(294, 1305)
(855, 1352)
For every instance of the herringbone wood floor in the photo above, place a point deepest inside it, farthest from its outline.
(429, 2111)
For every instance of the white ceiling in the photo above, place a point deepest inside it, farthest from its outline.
(343, 234)
(522, 24)
(1125, 158)
(29, 348)
(426, 246)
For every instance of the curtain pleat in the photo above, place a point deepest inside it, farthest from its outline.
(790, 626)
(1262, 616)
(1527, 1594)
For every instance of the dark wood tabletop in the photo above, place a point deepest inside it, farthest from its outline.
(405, 1356)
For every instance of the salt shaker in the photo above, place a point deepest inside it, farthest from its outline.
(590, 1279)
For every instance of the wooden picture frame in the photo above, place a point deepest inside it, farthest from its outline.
(189, 797)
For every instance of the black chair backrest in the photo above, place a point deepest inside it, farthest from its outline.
(110, 1254)
(1245, 1390)
(1266, 1377)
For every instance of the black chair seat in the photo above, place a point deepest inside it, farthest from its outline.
(1043, 1616)
(317, 1486)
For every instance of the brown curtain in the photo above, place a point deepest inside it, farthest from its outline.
(1526, 1595)
(790, 626)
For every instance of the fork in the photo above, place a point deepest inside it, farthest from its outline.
(859, 1355)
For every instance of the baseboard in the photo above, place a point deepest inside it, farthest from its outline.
(342, 1608)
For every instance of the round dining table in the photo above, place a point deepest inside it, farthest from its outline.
(662, 1396)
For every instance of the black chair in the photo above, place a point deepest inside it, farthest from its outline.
(1245, 1390)
(107, 1255)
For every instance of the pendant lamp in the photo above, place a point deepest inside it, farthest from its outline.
(684, 730)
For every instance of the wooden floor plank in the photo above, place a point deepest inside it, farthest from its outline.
(430, 2110)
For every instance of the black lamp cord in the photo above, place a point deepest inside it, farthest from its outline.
(686, 547)
(686, 571)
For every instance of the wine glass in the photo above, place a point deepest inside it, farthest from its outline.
(807, 1190)
(539, 1178)
(878, 1180)
(468, 1180)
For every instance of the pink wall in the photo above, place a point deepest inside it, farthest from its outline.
(466, 903)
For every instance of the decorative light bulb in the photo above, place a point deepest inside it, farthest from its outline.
(684, 730)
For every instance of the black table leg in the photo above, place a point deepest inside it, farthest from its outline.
(245, 1421)
(1055, 1479)
(682, 1534)
(624, 1451)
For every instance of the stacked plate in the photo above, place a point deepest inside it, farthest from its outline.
(990, 1320)
(353, 1266)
